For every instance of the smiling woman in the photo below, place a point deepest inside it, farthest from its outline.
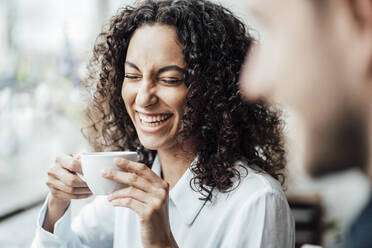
(164, 82)
(153, 90)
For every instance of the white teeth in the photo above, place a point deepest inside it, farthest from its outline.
(154, 120)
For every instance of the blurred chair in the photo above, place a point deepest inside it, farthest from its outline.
(308, 213)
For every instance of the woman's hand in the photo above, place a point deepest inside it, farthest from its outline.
(64, 185)
(147, 195)
(63, 182)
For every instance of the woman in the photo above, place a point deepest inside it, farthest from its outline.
(164, 82)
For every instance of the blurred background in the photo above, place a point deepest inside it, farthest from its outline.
(44, 49)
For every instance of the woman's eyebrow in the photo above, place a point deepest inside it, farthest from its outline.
(171, 68)
(130, 64)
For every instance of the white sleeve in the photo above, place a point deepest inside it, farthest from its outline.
(264, 222)
(93, 227)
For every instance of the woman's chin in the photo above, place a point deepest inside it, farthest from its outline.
(151, 143)
(156, 143)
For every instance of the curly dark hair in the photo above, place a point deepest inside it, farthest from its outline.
(227, 128)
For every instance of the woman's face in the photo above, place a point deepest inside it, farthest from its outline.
(153, 89)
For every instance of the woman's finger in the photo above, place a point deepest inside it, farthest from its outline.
(63, 195)
(67, 177)
(130, 192)
(55, 183)
(137, 206)
(70, 163)
(128, 178)
(140, 169)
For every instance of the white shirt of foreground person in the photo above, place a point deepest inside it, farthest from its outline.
(255, 215)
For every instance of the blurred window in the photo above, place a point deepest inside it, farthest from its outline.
(44, 48)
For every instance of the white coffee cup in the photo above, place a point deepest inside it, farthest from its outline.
(92, 165)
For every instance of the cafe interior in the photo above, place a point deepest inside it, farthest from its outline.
(44, 49)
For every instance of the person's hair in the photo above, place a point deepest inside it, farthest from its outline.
(226, 127)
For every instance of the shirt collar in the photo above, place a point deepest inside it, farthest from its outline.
(182, 195)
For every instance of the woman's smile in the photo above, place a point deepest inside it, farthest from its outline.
(151, 123)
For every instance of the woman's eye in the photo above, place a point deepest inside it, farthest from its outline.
(171, 81)
(132, 77)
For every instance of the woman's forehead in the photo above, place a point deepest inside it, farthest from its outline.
(155, 44)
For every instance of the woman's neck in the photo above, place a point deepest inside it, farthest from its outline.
(174, 162)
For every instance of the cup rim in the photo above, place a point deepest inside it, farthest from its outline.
(115, 153)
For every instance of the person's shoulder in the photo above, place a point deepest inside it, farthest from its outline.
(254, 183)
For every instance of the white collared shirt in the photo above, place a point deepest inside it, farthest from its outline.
(255, 214)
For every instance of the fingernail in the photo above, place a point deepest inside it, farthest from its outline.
(109, 197)
(118, 160)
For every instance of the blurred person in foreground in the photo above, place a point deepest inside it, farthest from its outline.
(315, 56)
(164, 82)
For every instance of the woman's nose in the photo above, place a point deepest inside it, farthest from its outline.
(146, 95)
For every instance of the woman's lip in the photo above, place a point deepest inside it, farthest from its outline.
(151, 114)
(148, 129)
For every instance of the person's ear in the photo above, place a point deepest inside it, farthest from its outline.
(362, 12)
